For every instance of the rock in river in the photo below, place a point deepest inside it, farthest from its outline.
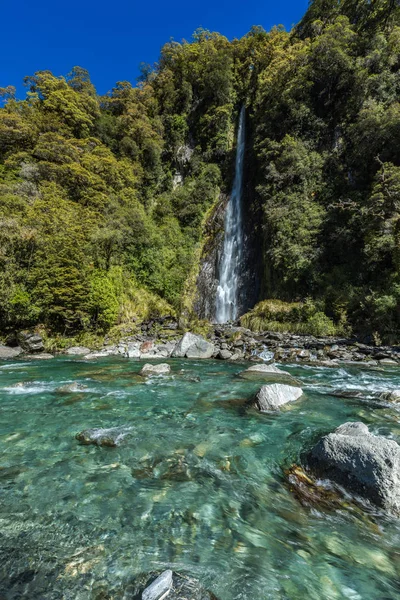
(363, 463)
(155, 369)
(393, 396)
(31, 342)
(111, 437)
(171, 586)
(273, 396)
(268, 373)
(72, 388)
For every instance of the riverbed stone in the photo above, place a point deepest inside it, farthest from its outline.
(273, 396)
(169, 586)
(155, 369)
(393, 396)
(110, 437)
(77, 351)
(225, 354)
(133, 350)
(193, 346)
(39, 356)
(6, 352)
(72, 388)
(363, 463)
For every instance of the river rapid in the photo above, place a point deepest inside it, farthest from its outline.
(198, 486)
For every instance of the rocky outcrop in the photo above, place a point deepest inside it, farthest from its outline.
(72, 388)
(155, 369)
(110, 437)
(363, 463)
(273, 396)
(30, 342)
(193, 346)
(6, 352)
(169, 586)
(77, 351)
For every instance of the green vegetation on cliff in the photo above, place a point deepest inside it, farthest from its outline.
(103, 198)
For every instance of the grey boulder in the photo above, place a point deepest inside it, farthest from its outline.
(6, 352)
(155, 369)
(269, 373)
(30, 342)
(363, 463)
(273, 396)
(77, 351)
(193, 346)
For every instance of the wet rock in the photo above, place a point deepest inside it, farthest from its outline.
(30, 342)
(169, 586)
(77, 351)
(388, 361)
(268, 373)
(41, 356)
(393, 396)
(158, 369)
(343, 393)
(6, 352)
(94, 355)
(225, 354)
(72, 388)
(160, 587)
(110, 437)
(308, 492)
(363, 463)
(273, 396)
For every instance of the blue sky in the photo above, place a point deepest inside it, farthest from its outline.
(111, 39)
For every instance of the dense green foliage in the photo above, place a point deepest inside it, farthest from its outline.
(100, 195)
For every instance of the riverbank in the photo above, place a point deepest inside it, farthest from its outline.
(159, 339)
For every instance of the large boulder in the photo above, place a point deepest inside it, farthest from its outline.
(110, 437)
(30, 342)
(193, 346)
(77, 351)
(155, 369)
(6, 352)
(273, 396)
(133, 350)
(363, 463)
(269, 373)
(169, 586)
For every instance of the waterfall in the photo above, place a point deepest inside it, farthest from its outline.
(227, 305)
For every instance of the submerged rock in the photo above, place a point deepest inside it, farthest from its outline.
(77, 351)
(110, 437)
(272, 396)
(366, 464)
(6, 352)
(268, 373)
(72, 388)
(157, 369)
(171, 586)
(393, 396)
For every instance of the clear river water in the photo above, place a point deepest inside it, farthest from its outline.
(198, 486)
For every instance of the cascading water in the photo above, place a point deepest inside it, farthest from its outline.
(227, 304)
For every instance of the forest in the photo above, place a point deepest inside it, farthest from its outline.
(105, 200)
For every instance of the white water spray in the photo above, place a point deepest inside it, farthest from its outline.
(227, 304)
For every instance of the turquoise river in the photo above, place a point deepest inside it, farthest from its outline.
(198, 486)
